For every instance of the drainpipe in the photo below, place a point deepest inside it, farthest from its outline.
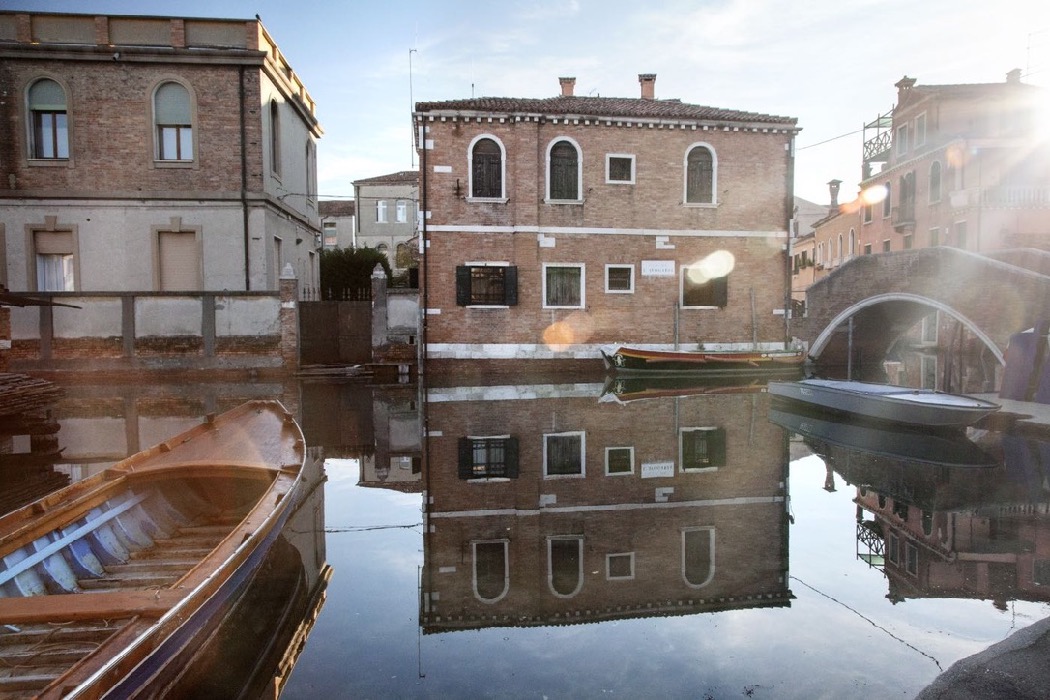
(789, 205)
(244, 178)
(422, 131)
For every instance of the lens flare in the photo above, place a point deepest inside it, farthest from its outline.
(874, 195)
(576, 328)
(718, 264)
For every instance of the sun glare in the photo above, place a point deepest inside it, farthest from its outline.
(718, 264)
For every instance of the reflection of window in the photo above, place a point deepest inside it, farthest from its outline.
(700, 176)
(701, 292)
(488, 457)
(564, 171)
(929, 329)
(911, 564)
(927, 523)
(698, 556)
(619, 460)
(55, 263)
(619, 566)
(619, 279)
(563, 454)
(893, 548)
(486, 285)
(563, 286)
(565, 565)
(49, 121)
(1041, 572)
(935, 237)
(703, 448)
(929, 371)
(491, 570)
(486, 169)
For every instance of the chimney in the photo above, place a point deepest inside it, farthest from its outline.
(903, 86)
(648, 81)
(1014, 77)
(833, 188)
(567, 85)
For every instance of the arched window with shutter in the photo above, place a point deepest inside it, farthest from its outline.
(173, 121)
(486, 168)
(700, 175)
(48, 121)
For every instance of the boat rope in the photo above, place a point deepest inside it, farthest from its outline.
(870, 621)
(367, 528)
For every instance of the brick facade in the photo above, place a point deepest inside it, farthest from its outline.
(623, 223)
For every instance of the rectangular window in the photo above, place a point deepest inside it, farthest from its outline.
(906, 241)
(494, 457)
(929, 371)
(55, 264)
(619, 279)
(563, 286)
(563, 455)
(929, 329)
(1041, 572)
(935, 237)
(867, 248)
(175, 142)
(911, 565)
(920, 130)
(702, 448)
(619, 169)
(902, 139)
(619, 460)
(331, 234)
(887, 206)
(50, 135)
(619, 566)
(481, 284)
(381, 211)
(960, 235)
(402, 211)
(702, 293)
(178, 258)
(893, 547)
(867, 213)
(886, 246)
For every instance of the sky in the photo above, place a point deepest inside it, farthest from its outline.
(831, 64)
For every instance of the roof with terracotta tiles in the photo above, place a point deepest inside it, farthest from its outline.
(603, 107)
(402, 176)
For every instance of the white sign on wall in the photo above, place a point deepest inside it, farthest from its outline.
(658, 268)
(652, 470)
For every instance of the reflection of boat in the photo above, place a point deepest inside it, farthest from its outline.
(624, 359)
(884, 402)
(111, 584)
(621, 389)
(950, 450)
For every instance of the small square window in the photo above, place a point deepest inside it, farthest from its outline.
(619, 279)
(619, 460)
(563, 455)
(886, 246)
(702, 449)
(619, 169)
(563, 286)
(619, 566)
(702, 292)
(482, 284)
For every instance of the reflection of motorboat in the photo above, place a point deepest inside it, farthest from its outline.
(140, 563)
(621, 389)
(623, 359)
(886, 402)
(953, 450)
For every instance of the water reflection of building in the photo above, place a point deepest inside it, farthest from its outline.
(959, 532)
(544, 506)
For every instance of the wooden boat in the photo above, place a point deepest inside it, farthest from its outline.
(108, 586)
(624, 359)
(887, 403)
(625, 389)
(889, 441)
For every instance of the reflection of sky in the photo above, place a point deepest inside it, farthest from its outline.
(841, 637)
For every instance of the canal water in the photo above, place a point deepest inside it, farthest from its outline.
(598, 540)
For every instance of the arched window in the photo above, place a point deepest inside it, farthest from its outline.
(563, 171)
(565, 565)
(491, 570)
(698, 556)
(172, 115)
(852, 242)
(48, 121)
(935, 181)
(275, 137)
(839, 249)
(486, 169)
(700, 175)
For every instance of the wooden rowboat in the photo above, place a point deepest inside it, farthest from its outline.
(627, 360)
(108, 586)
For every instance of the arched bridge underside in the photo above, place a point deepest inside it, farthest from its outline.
(866, 304)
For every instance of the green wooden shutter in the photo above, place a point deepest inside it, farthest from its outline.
(462, 285)
(510, 286)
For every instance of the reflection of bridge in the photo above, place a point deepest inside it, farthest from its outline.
(868, 302)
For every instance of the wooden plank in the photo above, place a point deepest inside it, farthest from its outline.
(87, 606)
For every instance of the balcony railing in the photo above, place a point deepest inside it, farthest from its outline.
(904, 215)
(1002, 198)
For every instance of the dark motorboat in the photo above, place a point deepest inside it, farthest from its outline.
(627, 360)
(888, 403)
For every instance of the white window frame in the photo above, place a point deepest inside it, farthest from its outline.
(681, 449)
(583, 455)
(920, 130)
(381, 217)
(608, 572)
(630, 449)
(618, 266)
(194, 136)
(583, 285)
(401, 216)
(608, 159)
(901, 140)
(579, 171)
(714, 176)
(502, 199)
(506, 568)
(578, 539)
(714, 541)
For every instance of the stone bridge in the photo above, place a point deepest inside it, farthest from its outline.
(868, 302)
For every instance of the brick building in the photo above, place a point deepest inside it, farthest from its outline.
(547, 506)
(557, 225)
(153, 154)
